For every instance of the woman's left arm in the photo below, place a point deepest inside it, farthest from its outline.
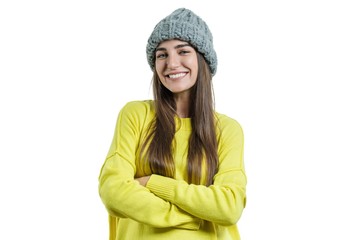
(222, 202)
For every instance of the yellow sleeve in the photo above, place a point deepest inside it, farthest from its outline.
(222, 202)
(123, 196)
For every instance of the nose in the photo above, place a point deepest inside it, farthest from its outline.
(172, 61)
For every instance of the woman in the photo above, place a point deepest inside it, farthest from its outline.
(175, 167)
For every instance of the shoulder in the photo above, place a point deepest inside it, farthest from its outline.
(138, 108)
(225, 122)
(229, 129)
(137, 112)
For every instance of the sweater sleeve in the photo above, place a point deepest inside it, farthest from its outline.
(123, 196)
(222, 202)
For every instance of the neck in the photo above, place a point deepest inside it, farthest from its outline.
(182, 105)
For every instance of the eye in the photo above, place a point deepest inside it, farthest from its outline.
(161, 55)
(184, 52)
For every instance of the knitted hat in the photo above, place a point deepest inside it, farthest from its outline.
(184, 25)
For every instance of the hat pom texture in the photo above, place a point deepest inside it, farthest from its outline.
(184, 25)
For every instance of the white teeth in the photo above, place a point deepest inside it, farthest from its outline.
(177, 75)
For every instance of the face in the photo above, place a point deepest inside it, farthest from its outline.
(176, 65)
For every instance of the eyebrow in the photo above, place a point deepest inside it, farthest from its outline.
(176, 47)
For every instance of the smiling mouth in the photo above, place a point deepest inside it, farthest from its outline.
(178, 75)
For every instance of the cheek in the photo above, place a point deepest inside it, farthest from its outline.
(194, 66)
(193, 63)
(158, 68)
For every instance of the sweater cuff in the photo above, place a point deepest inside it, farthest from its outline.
(162, 186)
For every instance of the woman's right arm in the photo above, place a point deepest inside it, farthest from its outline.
(125, 197)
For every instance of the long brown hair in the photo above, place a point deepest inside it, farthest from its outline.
(202, 141)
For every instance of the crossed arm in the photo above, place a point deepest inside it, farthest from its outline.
(165, 202)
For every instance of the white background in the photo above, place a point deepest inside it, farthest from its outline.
(288, 72)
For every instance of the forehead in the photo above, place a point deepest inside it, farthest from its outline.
(171, 43)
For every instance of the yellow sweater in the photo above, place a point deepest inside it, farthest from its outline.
(170, 208)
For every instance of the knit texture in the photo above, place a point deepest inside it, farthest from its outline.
(170, 208)
(184, 25)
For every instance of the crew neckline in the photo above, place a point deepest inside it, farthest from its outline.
(183, 123)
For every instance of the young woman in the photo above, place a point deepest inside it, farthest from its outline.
(175, 166)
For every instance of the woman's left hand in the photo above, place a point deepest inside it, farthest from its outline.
(143, 180)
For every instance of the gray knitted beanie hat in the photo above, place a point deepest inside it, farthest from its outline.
(184, 25)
